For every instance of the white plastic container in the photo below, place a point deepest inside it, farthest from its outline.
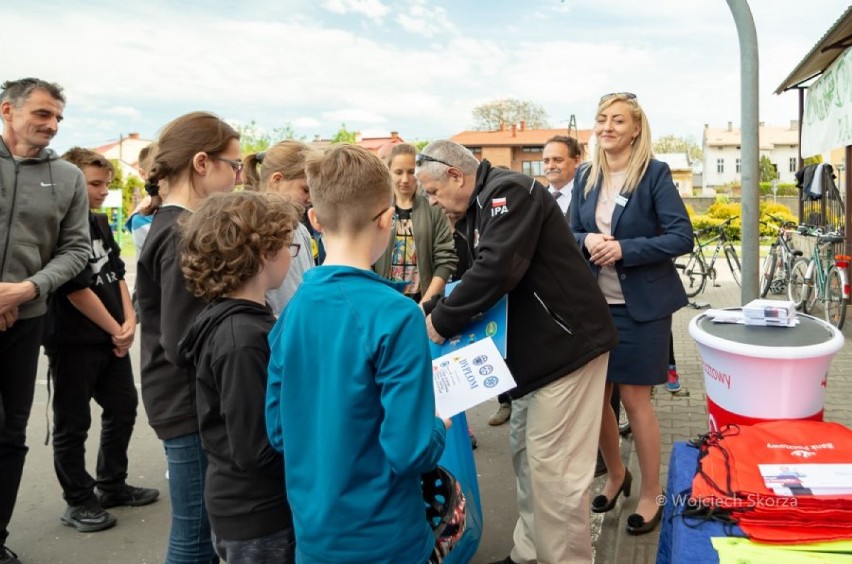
(755, 374)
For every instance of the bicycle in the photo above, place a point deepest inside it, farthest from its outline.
(775, 273)
(821, 279)
(694, 270)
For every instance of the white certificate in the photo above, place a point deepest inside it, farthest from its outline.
(469, 376)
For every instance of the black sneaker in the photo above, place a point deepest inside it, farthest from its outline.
(88, 518)
(127, 495)
(7, 556)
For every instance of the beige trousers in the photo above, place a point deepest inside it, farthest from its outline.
(553, 442)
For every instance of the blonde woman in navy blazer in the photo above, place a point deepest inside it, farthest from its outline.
(630, 222)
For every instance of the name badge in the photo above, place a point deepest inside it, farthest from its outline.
(620, 201)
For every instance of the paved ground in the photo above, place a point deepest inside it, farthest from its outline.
(140, 536)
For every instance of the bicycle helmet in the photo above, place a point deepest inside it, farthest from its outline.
(445, 507)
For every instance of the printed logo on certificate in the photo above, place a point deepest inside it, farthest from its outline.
(469, 376)
(491, 323)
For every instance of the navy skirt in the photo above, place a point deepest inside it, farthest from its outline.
(642, 355)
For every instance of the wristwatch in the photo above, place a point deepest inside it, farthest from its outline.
(37, 290)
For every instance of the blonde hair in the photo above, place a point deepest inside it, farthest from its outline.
(641, 152)
(287, 157)
(225, 242)
(348, 185)
(396, 150)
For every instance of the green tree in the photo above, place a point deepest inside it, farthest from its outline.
(420, 145)
(490, 115)
(254, 138)
(343, 135)
(675, 144)
(127, 186)
(768, 172)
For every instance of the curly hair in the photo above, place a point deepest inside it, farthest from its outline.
(226, 242)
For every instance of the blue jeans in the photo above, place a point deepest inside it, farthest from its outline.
(189, 538)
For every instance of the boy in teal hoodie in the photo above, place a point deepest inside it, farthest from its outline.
(355, 418)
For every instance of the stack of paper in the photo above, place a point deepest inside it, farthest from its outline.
(774, 313)
(726, 316)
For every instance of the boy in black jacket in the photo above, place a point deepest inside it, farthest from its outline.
(236, 247)
(89, 329)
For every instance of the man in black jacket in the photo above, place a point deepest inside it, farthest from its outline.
(559, 337)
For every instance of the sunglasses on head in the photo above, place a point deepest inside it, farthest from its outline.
(625, 95)
(423, 158)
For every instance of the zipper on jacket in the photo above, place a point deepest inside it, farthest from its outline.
(553, 315)
(466, 248)
(11, 218)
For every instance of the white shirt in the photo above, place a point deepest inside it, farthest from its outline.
(564, 197)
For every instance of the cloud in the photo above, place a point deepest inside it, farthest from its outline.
(305, 122)
(426, 21)
(353, 115)
(421, 72)
(125, 111)
(373, 9)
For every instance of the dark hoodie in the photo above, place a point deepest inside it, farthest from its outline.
(227, 345)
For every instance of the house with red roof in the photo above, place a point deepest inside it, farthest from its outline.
(517, 147)
(125, 150)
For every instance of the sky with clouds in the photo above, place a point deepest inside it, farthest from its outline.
(418, 67)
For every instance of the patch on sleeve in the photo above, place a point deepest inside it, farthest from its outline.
(499, 206)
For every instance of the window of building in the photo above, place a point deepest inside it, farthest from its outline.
(720, 165)
(531, 168)
(475, 149)
(739, 165)
(538, 149)
(793, 162)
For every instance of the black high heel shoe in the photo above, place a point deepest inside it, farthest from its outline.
(636, 524)
(601, 504)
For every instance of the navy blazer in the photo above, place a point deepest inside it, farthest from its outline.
(653, 228)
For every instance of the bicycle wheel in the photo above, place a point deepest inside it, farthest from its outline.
(692, 273)
(796, 289)
(767, 272)
(833, 302)
(734, 264)
(782, 275)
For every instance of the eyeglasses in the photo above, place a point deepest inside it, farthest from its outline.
(294, 249)
(378, 215)
(236, 165)
(423, 158)
(627, 95)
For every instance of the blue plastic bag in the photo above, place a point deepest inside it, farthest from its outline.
(458, 459)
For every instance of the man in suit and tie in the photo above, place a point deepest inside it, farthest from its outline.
(561, 157)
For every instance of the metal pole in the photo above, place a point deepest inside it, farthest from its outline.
(800, 162)
(750, 148)
(847, 205)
